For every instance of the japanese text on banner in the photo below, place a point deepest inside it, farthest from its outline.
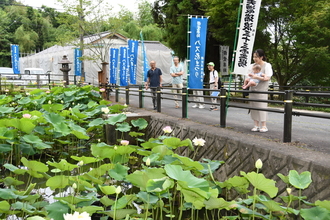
(133, 54)
(113, 65)
(77, 61)
(248, 26)
(198, 29)
(123, 72)
(15, 58)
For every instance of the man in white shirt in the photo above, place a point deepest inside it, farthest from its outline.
(213, 82)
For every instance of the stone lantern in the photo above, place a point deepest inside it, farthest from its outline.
(65, 69)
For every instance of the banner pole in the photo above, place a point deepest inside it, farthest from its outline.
(234, 51)
(188, 61)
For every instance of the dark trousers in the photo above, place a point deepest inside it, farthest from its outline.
(153, 93)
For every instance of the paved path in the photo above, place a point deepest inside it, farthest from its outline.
(307, 132)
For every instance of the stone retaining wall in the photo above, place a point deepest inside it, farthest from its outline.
(240, 151)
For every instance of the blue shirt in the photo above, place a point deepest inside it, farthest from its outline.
(176, 69)
(154, 77)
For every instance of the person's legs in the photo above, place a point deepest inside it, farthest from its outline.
(200, 99)
(246, 81)
(175, 92)
(195, 98)
(179, 91)
(214, 107)
(153, 93)
(256, 126)
(263, 127)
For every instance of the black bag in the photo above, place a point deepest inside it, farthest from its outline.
(219, 81)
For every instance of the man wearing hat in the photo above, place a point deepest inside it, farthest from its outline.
(213, 82)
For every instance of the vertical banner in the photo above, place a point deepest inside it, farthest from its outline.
(77, 61)
(133, 54)
(145, 60)
(247, 31)
(123, 72)
(224, 53)
(15, 58)
(113, 65)
(198, 29)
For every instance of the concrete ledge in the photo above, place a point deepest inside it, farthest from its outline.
(240, 151)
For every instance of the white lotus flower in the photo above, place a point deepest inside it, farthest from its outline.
(198, 141)
(105, 110)
(77, 216)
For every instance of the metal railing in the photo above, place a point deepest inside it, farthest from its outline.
(224, 104)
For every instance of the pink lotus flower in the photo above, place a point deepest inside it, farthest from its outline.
(167, 130)
(47, 91)
(124, 142)
(26, 115)
(102, 90)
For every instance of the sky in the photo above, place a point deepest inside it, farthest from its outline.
(131, 5)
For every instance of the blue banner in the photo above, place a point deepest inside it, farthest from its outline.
(113, 65)
(133, 55)
(77, 61)
(198, 29)
(123, 72)
(15, 58)
(145, 60)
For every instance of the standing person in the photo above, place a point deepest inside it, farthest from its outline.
(154, 79)
(176, 71)
(199, 99)
(260, 117)
(213, 82)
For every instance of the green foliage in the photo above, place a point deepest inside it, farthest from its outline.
(87, 172)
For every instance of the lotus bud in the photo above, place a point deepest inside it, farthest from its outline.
(148, 161)
(258, 164)
(118, 190)
(288, 190)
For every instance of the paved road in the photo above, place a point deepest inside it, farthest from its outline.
(307, 132)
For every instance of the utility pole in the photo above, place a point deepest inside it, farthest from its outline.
(81, 36)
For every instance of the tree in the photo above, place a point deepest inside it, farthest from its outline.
(298, 46)
(173, 16)
(144, 15)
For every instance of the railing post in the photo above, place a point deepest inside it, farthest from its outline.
(184, 102)
(117, 93)
(271, 89)
(288, 103)
(38, 81)
(127, 95)
(49, 85)
(140, 96)
(158, 99)
(223, 98)
(307, 97)
(75, 79)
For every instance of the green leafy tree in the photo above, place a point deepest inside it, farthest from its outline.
(173, 16)
(298, 45)
(144, 14)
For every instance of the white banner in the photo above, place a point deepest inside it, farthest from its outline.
(247, 32)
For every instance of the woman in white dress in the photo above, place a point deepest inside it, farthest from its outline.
(260, 117)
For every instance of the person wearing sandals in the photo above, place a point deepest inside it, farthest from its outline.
(176, 71)
(260, 117)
